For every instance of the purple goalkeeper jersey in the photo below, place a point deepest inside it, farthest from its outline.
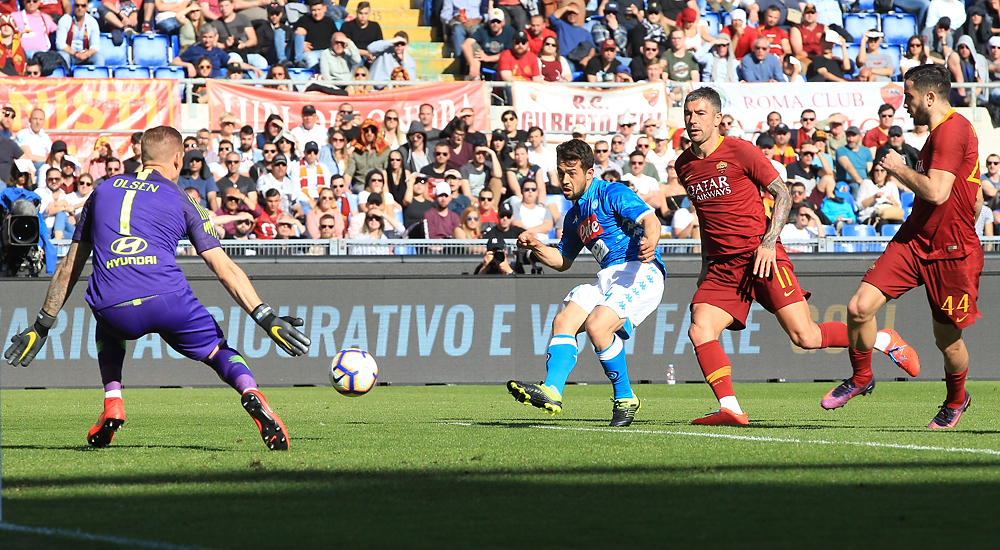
(134, 222)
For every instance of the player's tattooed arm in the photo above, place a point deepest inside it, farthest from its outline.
(65, 277)
(779, 215)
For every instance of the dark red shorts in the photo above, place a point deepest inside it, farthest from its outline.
(952, 285)
(731, 286)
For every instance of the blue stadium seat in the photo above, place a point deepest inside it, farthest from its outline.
(852, 52)
(858, 23)
(89, 71)
(906, 212)
(131, 72)
(300, 74)
(906, 199)
(830, 230)
(898, 28)
(150, 50)
(866, 5)
(58, 72)
(177, 73)
(352, 201)
(113, 55)
(175, 46)
(714, 21)
(857, 230)
(890, 229)
(893, 52)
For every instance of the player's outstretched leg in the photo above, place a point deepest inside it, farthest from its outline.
(889, 342)
(624, 403)
(560, 359)
(232, 368)
(110, 358)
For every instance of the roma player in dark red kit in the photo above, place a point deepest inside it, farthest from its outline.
(743, 258)
(937, 246)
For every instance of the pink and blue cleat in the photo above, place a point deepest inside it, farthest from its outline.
(839, 396)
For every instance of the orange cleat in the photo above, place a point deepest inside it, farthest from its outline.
(101, 434)
(272, 429)
(722, 416)
(901, 353)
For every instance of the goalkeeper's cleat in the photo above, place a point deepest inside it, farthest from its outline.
(101, 434)
(623, 411)
(272, 429)
(722, 417)
(902, 353)
(536, 395)
(839, 396)
(948, 417)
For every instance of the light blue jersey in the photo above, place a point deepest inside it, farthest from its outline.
(606, 221)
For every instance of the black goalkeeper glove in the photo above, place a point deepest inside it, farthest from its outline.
(26, 345)
(282, 330)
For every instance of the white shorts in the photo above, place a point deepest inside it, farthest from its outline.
(633, 290)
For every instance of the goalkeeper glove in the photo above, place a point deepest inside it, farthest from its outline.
(282, 330)
(26, 345)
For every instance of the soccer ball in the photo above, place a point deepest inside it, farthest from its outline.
(353, 372)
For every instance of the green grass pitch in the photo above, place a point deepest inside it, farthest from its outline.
(468, 467)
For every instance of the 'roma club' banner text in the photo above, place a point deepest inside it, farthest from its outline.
(253, 105)
(749, 103)
(93, 104)
(558, 108)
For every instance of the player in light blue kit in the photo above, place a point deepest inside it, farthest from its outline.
(621, 231)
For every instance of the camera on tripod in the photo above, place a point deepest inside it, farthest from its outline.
(20, 233)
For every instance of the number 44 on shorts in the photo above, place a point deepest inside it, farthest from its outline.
(949, 306)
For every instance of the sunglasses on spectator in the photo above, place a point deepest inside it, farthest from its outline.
(393, 118)
(472, 219)
(347, 112)
(9, 114)
(376, 180)
(440, 154)
(395, 160)
(360, 73)
(57, 178)
(341, 186)
(281, 164)
(190, 145)
(993, 162)
(327, 226)
(84, 184)
(617, 142)
(601, 150)
(232, 162)
(509, 118)
(270, 151)
(530, 189)
(642, 146)
(204, 66)
(553, 44)
(485, 199)
(370, 218)
(918, 45)
(810, 153)
(285, 224)
(887, 115)
(808, 119)
(520, 42)
(232, 199)
(637, 162)
(369, 130)
(225, 149)
(244, 222)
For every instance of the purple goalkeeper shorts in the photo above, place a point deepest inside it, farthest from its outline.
(178, 317)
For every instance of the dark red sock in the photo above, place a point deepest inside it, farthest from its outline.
(834, 335)
(956, 388)
(715, 365)
(861, 362)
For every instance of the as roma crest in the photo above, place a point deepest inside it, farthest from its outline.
(893, 95)
(652, 96)
(721, 167)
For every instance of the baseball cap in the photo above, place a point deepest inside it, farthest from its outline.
(578, 129)
(809, 8)
(611, 7)
(653, 7)
(58, 145)
(944, 22)
(374, 198)
(311, 146)
(452, 174)
(831, 36)
(609, 44)
(420, 178)
(496, 14)
(895, 131)
(308, 110)
(520, 38)
(740, 14)
(495, 243)
(234, 67)
(765, 141)
(280, 159)
(72, 160)
(781, 129)
(853, 130)
(442, 188)
(819, 134)
(275, 9)
(688, 15)
(505, 211)
(284, 134)
(623, 69)
(995, 41)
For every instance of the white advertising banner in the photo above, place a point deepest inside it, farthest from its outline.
(750, 103)
(559, 108)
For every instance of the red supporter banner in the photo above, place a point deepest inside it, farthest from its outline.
(93, 104)
(252, 105)
(558, 108)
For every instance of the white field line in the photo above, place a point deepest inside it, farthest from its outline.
(991, 452)
(79, 535)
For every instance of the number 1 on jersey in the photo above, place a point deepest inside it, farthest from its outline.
(124, 222)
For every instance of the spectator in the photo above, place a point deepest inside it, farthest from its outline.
(524, 172)
(98, 160)
(806, 37)
(776, 36)
(12, 56)
(766, 145)
(363, 31)
(530, 215)
(990, 180)
(18, 172)
(645, 186)
(940, 39)
(626, 124)
(438, 166)
(877, 199)
(487, 210)
(56, 153)
(286, 145)
(505, 229)
(871, 57)
(512, 134)
(783, 152)
(69, 165)
(648, 28)
(246, 188)
(680, 63)
(266, 226)
(792, 68)
(461, 19)
(460, 151)
(32, 68)
(602, 67)
(328, 228)
(336, 62)
(518, 63)
(341, 192)
(134, 163)
(309, 130)
(662, 154)
(853, 160)
(609, 29)
(347, 115)
(895, 142)
(10, 151)
(574, 42)
(397, 177)
(417, 203)
(977, 28)
(804, 225)
(953, 10)
(916, 54)
(237, 35)
(83, 188)
(114, 169)
(313, 175)
(35, 28)
(740, 35)
(291, 196)
(879, 135)
(378, 226)
(56, 211)
(263, 166)
(539, 154)
(123, 15)
(314, 32)
(684, 224)
(483, 48)
(235, 201)
(840, 208)
(390, 55)
(498, 144)
(538, 32)
(78, 37)
(483, 172)
(191, 20)
(835, 132)
(360, 74)
(426, 117)
(195, 174)
(460, 198)
(554, 67)
(618, 154)
(719, 62)
(207, 48)
(865, 74)
(807, 129)
(623, 74)
(826, 67)
(602, 160)
(415, 149)
(440, 221)
(760, 65)
(649, 54)
(375, 185)
(273, 36)
(371, 152)
(33, 140)
(469, 224)
(818, 181)
(967, 66)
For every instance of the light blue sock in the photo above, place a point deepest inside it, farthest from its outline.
(560, 359)
(613, 361)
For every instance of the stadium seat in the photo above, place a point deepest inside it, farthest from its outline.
(893, 52)
(714, 21)
(857, 230)
(898, 28)
(131, 72)
(352, 201)
(890, 229)
(852, 52)
(906, 199)
(866, 5)
(175, 46)
(113, 55)
(88, 71)
(177, 73)
(300, 74)
(564, 204)
(58, 72)
(858, 23)
(150, 50)
(830, 230)
(906, 212)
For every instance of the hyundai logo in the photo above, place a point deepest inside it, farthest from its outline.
(128, 246)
